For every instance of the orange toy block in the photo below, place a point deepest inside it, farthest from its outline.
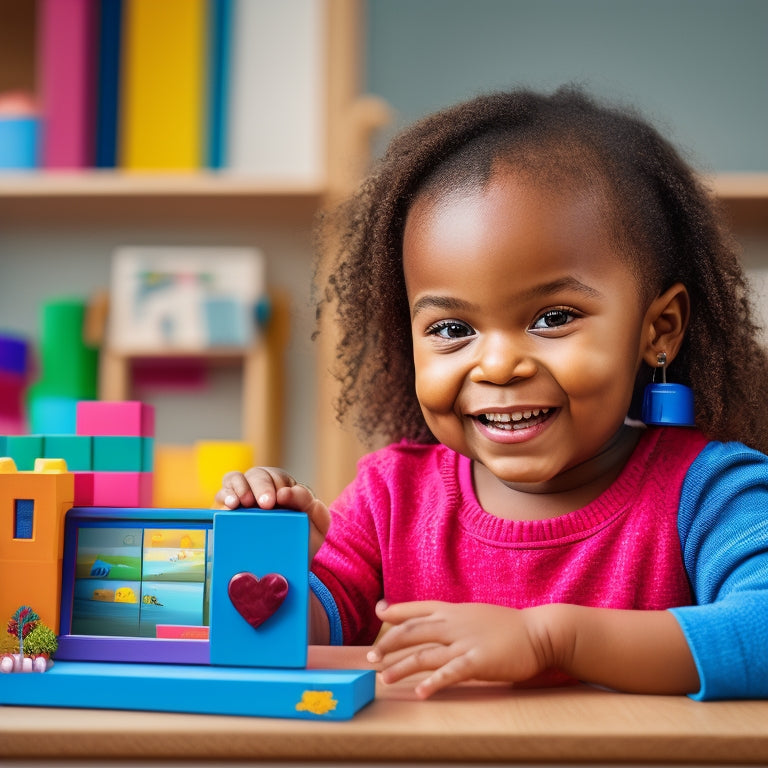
(33, 506)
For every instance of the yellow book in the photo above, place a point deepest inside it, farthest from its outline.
(162, 119)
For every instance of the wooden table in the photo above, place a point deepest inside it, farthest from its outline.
(467, 724)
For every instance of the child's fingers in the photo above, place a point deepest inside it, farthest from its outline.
(411, 624)
(257, 487)
(235, 491)
(425, 658)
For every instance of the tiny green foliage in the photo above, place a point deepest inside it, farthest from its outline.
(42, 639)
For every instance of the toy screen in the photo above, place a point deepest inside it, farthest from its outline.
(135, 581)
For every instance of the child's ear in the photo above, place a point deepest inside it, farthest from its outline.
(665, 322)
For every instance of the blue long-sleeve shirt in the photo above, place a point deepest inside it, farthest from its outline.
(723, 525)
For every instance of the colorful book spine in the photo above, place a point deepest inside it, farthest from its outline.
(163, 98)
(108, 75)
(219, 56)
(66, 51)
(276, 124)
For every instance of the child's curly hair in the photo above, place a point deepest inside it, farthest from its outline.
(663, 221)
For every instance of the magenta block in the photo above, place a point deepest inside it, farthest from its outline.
(83, 489)
(116, 418)
(122, 489)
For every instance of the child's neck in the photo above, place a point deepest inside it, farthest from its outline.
(565, 493)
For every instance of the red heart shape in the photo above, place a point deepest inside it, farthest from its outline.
(256, 599)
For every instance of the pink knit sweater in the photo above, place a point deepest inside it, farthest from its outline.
(410, 528)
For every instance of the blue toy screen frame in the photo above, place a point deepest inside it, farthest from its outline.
(136, 585)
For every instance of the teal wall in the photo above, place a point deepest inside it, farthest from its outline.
(697, 68)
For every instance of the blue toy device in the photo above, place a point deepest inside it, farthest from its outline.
(188, 611)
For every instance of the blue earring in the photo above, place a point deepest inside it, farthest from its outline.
(667, 404)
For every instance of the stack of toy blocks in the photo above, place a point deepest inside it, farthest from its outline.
(121, 437)
(111, 455)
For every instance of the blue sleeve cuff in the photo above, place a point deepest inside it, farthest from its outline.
(329, 604)
(728, 639)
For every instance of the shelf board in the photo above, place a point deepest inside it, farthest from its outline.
(729, 186)
(740, 186)
(97, 183)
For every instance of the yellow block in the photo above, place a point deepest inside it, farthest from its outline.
(175, 480)
(217, 457)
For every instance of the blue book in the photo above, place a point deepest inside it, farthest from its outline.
(108, 86)
(219, 55)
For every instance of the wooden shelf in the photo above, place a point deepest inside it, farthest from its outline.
(745, 197)
(741, 186)
(92, 183)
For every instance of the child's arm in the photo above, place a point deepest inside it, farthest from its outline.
(634, 651)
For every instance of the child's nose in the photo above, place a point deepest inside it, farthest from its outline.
(502, 360)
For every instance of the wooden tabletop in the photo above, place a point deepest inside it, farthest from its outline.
(469, 723)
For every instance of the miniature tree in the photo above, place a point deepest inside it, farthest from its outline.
(41, 640)
(22, 623)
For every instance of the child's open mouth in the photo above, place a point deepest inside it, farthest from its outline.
(516, 420)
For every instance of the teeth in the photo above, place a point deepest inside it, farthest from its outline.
(505, 418)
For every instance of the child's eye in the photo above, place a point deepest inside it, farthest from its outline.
(554, 318)
(450, 329)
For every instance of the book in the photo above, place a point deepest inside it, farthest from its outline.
(276, 114)
(108, 82)
(219, 59)
(163, 85)
(66, 81)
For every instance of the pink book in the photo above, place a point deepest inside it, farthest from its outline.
(66, 81)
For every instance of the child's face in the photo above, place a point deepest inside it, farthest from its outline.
(527, 327)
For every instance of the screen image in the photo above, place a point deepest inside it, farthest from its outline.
(130, 579)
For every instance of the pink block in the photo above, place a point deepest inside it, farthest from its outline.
(83, 489)
(66, 58)
(122, 489)
(120, 418)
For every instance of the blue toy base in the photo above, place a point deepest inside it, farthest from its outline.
(308, 694)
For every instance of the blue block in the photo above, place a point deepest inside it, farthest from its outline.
(307, 694)
(260, 543)
(13, 355)
(52, 415)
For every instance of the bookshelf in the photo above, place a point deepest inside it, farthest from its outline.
(103, 201)
(100, 204)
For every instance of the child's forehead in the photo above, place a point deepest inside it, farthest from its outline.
(511, 226)
(510, 198)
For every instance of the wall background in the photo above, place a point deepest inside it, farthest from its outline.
(697, 68)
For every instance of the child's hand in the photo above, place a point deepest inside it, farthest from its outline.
(270, 487)
(458, 642)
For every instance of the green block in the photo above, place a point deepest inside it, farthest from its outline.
(23, 449)
(118, 454)
(148, 454)
(76, 450)
(69, 367)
